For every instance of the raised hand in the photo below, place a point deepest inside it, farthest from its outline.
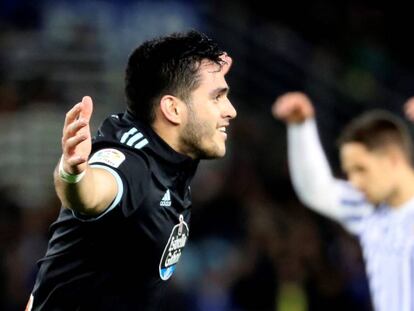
(76, 138)
(409, 109)
(293, 107)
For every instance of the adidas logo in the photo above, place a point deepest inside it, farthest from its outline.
(166, 199)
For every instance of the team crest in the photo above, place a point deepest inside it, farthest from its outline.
(173, 249)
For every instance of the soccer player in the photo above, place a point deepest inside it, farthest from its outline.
(125, 193)
(376, 202)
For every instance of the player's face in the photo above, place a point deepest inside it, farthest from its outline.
(208, 115)
(369, 171)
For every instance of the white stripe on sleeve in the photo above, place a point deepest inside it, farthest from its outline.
(114, 203)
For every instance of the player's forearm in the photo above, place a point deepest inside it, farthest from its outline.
(309, 168)
(80, 196)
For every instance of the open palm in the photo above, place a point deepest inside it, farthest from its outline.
(76, 138)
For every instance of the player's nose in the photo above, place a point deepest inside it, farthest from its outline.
(229, 110)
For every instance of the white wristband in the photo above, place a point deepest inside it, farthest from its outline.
(69, 178)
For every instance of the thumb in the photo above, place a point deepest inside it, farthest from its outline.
(86, 108)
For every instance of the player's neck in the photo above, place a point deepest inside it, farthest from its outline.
(170, 135)
(404, 190)
(165, 134)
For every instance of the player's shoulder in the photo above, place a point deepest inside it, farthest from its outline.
(118, 144)
(120, 158)
(120, 130)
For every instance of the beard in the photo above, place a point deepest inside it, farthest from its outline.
(194, 136)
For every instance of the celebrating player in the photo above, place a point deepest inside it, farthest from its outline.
(125, 193)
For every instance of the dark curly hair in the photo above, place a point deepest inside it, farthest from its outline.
(166, 65)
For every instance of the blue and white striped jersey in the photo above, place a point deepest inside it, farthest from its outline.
(387, 241)
(386, 234)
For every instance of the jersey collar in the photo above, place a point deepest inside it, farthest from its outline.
(159, 147)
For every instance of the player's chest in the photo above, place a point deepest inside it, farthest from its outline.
(163, 220)
(389, 237)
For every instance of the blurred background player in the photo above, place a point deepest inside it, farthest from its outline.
(377, 201)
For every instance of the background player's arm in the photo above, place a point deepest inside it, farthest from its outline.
(98, 188)
(309, 168)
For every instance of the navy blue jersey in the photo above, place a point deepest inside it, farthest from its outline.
(123, 258)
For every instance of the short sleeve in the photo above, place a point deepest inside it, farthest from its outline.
(131, 172)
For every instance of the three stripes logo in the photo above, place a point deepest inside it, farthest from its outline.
(133, 138)
(166, 199)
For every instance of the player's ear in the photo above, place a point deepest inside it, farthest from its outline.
(171, 108)
(395, 154)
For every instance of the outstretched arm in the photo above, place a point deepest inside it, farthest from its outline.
(310, 171)
(80, 187)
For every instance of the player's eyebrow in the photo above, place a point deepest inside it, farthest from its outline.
(220, 90)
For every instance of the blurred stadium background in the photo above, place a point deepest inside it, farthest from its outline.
(253, 246)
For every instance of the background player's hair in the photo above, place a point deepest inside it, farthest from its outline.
(378, 129)
(166, 65)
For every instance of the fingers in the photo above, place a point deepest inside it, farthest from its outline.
(409, 109)
(73, 142)
(284, 105)
(86, 108)
(74, 161)
(71, 159)
(293, 107)
(69, 146)
(81, 111)
(78, 117)
(76, 136)
(281, 107)
(72, 114)
(75, 127)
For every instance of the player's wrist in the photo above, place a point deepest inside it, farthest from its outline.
(68, 177)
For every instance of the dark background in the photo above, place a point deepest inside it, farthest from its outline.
(253, 246)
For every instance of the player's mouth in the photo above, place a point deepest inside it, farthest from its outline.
(222, 130)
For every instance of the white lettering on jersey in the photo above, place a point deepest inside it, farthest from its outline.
(173, 249)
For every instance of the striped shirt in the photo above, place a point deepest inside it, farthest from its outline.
(386, 234)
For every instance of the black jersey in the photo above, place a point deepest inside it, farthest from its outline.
(123, 258)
